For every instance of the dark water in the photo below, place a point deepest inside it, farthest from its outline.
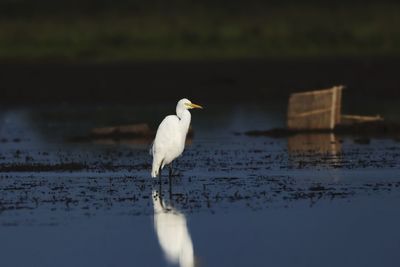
(306, 200)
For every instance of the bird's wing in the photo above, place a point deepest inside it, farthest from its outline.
(168, 127)
(166, 132)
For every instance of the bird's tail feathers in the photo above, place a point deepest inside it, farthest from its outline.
(155, 169)
(154, 173)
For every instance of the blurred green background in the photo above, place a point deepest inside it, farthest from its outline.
(123, 30)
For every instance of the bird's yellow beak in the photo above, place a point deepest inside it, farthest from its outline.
(192, 105)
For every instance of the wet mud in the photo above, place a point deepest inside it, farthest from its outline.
(117, 180)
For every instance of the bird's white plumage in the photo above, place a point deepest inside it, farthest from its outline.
(169, 142)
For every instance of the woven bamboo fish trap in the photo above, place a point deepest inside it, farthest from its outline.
(315, 110)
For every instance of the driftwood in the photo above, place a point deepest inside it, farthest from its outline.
(132, 131)
(352, 119)
(130, 134)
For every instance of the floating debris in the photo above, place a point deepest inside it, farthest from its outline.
(319, 109)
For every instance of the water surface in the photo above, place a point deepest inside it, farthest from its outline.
(306, 200)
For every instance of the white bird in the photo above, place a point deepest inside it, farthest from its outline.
(173, 234)
(171, 136)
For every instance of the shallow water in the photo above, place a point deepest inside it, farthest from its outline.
(306, 200)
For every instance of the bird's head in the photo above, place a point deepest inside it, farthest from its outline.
(187, 104)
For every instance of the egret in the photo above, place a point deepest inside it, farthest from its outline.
(171, 136)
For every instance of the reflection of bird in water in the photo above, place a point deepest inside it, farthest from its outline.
(170, 138)
(172, 232)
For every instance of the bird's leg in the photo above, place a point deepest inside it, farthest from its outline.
(170, 188)
(160, 194)
(160, 188)
(173, 172)
(159, 175)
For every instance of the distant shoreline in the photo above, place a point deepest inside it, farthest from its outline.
(106, 31)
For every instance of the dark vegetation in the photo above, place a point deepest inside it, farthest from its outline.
(121, 30)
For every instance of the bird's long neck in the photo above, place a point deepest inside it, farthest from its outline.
(184, 119)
